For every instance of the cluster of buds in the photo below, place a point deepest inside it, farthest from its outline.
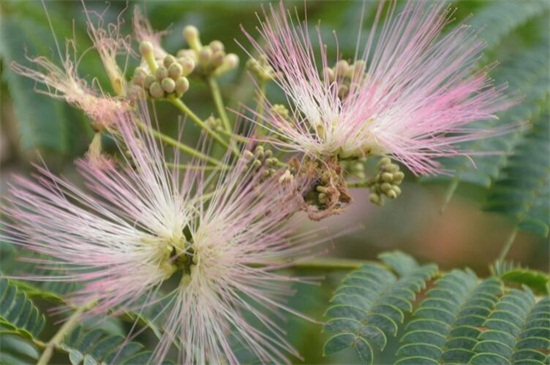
(214, 123)
(355, 168)
(346, 75)
(262, 159)
(164, 80)
(210, 60)
(261, 68)
(386, 182)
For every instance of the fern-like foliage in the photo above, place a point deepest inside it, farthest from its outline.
(21, 322)
(98, 347)
(523, 192)
(371, 303)
(499, 18)
(18, 314)
(461, 319)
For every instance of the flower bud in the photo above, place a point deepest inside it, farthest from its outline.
(168, 60)
(216, 46)
(191, 35)
(145, 48)
(182, 85)
(168, 85)
(161, 73)
(156, 90)
(175, 71)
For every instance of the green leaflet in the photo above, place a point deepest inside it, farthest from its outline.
(371, 303)
(21, 322)
(98, 347)
(499, 18)
(523, 191)
(18, 314)
(461, 320)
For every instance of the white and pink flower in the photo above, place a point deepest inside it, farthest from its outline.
(139, 225)
(410, 92)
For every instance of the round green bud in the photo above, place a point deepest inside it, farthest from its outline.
(391, 194)
(204, 55)
(168, 60)
(384, 161)
(216, 46)
(385, 187)
(248, 155)
(190, 34)
(161, 73)
(156, 90)
(341, 68)
(145, 48)
(217, 58)
(398, 177)
(182, 85)
(139, 79)
(187, 65)
(175, 71)
(149, 79)
(386, 177)
(397, 190)
(168, 85)
(375, 198)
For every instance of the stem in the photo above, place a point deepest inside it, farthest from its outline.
(218, 101)
(195, 167)
(360, 184)
(60, 335)
(198, 121)
(507, 245)
(327, 263)
(191, 151)
(260, 107)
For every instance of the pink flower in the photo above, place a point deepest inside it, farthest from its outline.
(142, 224)
(409, 93)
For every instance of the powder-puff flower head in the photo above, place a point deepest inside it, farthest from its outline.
(144, 224)
(405, 91)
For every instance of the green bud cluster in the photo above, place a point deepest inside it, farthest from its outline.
(210, 60)
(347, 75)
(386, 182)
(355, 168)
(167, 79)
(214, 123)
(262, 159)
(261, 68)
(281, 110)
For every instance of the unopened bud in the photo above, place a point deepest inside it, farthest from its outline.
(187, 64)
(149, 79)
(191, 35)
(386, 177)
(204, 55)
(182, 85)
(161, 73)
(341, 68)
(156, 90)
(216, 46)
(175, 71)
(375, 198)
(168, 85)
(145, 48)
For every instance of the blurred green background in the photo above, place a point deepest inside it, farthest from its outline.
(420, 222)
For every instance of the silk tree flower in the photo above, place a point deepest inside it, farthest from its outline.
(143, 224)
(63, 83)
(409, 92)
